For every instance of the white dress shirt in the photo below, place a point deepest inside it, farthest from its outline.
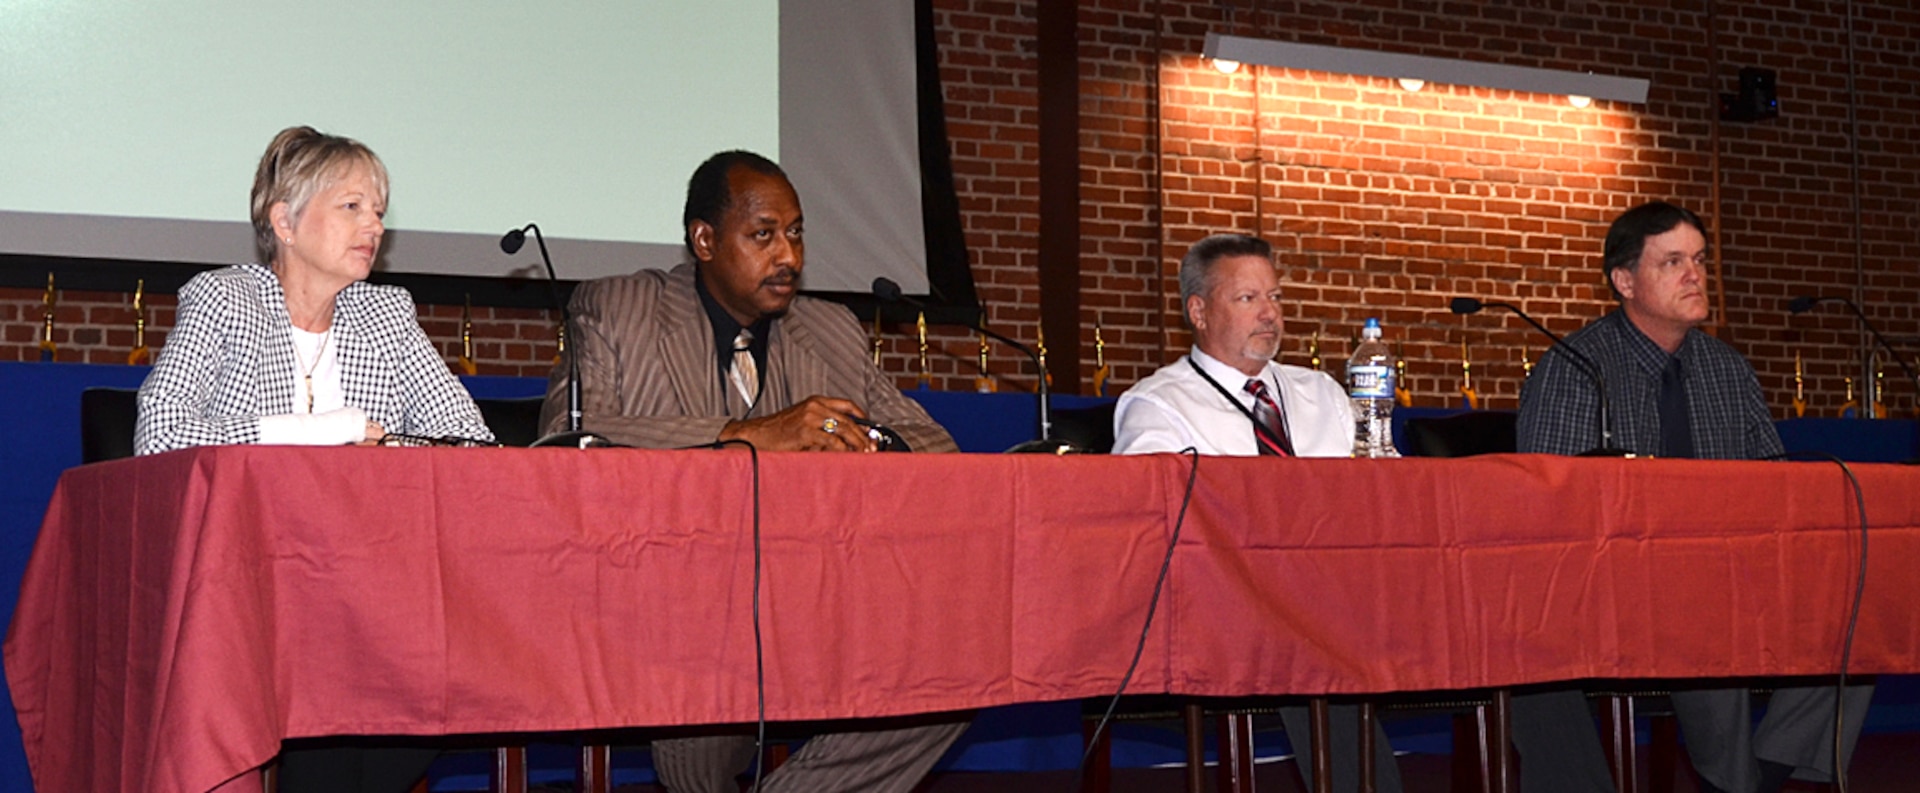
(1175, 408)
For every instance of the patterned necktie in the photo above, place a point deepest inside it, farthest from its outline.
(745, 374)
(1266, 413)
(1676, 429)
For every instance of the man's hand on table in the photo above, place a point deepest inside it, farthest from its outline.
(815, 424)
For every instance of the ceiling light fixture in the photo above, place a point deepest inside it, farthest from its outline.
(1392, 65)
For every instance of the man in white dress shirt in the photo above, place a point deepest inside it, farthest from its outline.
(1227, 396)
(1231, 295)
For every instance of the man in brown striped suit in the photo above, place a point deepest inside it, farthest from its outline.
(724, 348)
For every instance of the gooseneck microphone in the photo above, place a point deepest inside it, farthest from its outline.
(887, 291)
(1472, 305)
(1804, 303)
(574, 436)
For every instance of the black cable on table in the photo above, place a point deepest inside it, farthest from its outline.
(1853, 615)
(759, 649)
(1140, 647)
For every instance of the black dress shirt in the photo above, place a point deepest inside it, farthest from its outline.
(725, 328)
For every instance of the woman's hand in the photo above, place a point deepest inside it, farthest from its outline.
(374, 433)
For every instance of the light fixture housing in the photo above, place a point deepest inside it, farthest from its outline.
(1393, 65)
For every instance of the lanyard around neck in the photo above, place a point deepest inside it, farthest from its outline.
(1279, 399)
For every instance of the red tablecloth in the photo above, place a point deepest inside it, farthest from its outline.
(184, 612)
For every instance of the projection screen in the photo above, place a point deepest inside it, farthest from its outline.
(132, 129)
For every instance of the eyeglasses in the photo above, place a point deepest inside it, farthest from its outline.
(403, 439)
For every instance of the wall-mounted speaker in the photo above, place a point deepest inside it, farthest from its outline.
(1758, 100)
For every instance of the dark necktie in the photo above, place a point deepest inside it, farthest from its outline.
(1266, 413)
(1676, 432)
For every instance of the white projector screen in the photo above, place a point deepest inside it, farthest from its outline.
(131, 129)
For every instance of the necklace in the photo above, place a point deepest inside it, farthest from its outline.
(306, 369)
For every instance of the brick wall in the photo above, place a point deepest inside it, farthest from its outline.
(98, 327)
(89, 327)
(1386, 203)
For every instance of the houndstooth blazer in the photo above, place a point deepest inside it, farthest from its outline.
(229, 360)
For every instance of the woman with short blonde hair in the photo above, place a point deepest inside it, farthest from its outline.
(302, 350)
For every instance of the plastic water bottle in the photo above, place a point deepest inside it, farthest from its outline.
(1370, 386)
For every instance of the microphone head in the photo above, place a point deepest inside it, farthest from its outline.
(885, 289)
(1466, 305)
(510, 244)
(1799, 305)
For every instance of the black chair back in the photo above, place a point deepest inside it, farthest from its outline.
(1089, 428)
(1462, 435)
(107, 417)
(515, 422)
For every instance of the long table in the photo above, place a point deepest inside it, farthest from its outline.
(183, 613)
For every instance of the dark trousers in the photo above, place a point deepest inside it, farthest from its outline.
(308, 768)
(1344, 745)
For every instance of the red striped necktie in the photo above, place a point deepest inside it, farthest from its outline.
(1266, 413)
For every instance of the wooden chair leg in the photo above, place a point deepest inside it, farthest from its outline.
(510, 769)
(1236, 753)
(596, 768)
(1663, 756)
(1500, 743)
(1097, 776)
(1196, 722)
(1622, 743)
(1320, 726)
(775, 755)
(1367, 748)
(1468, 766)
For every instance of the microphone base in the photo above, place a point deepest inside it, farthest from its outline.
(1605, 451)
(1046, 446)
(578, 439)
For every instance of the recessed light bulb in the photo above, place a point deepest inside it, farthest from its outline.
(1579, 101)
(1412, 83)
(1226, 66)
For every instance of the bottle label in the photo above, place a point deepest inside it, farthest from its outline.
(1370, 382)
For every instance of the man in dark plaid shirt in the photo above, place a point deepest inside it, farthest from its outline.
(1672, 391)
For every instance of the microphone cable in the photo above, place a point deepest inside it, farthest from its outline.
(1853, 613)
(1140, 647)
(759, 647)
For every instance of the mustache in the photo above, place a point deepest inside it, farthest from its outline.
(785, 276)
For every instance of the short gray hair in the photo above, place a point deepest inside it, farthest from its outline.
(1196, 268)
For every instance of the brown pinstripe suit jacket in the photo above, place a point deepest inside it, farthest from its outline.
(649, 372)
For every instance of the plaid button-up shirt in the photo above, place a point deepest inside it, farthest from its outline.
(1727, 412)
